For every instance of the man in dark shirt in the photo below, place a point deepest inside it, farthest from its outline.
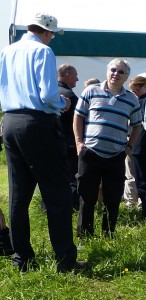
(138, 86)
(67, 79)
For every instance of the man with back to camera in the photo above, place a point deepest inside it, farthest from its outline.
(31, 104)
(101, 128)
(67, 79)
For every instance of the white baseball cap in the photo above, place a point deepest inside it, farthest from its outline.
(47, 22)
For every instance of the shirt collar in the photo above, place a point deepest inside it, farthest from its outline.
(31, 36)
(104, 87)
(63, 84)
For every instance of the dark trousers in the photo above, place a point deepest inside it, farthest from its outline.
(140, 179)
(91, 169)
(73, 169)
(36, 153)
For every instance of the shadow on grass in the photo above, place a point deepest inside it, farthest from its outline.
(106, 264)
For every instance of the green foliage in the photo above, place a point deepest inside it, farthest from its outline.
(2, 156)
(117, 267)
(2, 152)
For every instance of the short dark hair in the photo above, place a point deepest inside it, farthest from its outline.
(36, 28)
(63, 69)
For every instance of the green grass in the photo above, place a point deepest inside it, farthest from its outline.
(117, 268)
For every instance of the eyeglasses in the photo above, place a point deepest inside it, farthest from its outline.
(53, 34)
(114, 70)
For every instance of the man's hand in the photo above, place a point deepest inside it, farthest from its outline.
(68, 104)
(2, 221)
(80, 147)
(128, 151)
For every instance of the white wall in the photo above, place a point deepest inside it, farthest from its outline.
(5, 13)
(88, 67)
(94, 14)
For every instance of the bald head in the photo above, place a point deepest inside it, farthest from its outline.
(68, 74)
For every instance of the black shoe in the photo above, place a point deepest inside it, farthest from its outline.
(26, 265)
(78, 266)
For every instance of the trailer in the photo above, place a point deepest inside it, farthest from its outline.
(89, 51)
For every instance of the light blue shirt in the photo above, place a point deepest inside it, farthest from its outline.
(28, 77)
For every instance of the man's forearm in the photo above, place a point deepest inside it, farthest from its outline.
(134, 135)
(78, 127)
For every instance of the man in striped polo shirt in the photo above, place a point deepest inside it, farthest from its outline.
(101, 120)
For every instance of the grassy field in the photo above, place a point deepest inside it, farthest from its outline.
(117, 268)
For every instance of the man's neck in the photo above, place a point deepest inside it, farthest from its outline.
(64, 82)
(115, 90)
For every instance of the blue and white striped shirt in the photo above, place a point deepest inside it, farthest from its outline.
(28, 77)
(106, 118)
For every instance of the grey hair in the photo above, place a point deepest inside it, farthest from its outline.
(120, 61)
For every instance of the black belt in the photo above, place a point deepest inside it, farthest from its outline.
(27, 110)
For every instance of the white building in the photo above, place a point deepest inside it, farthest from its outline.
(91, 39)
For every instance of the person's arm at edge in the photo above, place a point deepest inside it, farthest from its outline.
(78, 127)
(133, 138)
